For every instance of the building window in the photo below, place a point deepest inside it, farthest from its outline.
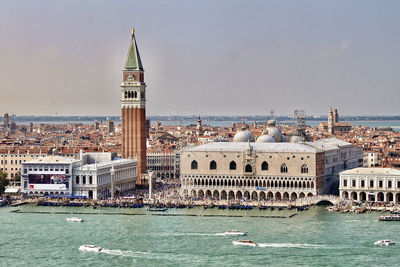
(248, 168)
(77, 179)
(390, 184)
(84, 179)
(304, 168)
(194, 165)
(371, 183)
(213, 165)
(344, 183)
(90, 179)
(284, 168)
(362, 183)
(353, 183)
(264, 166)
(380, 184)
(232, 165)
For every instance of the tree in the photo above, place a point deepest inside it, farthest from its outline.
(3, 181)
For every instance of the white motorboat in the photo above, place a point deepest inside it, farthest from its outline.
(244, 243)
(384, 243)
(235, 233)
(90, 248)
(74, 219)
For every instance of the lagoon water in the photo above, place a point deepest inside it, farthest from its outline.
(311, 238)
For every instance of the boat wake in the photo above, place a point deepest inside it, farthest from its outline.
(124, 253)
(188, 234)
(291, 245)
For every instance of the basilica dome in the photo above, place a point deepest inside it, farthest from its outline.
(264, 138)
(243, 136)
(275, 133)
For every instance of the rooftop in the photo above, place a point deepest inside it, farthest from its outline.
(383, 171)
(53, 159)
(258, 147)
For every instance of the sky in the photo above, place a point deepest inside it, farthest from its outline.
(201, 57)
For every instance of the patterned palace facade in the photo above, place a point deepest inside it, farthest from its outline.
(253, 171)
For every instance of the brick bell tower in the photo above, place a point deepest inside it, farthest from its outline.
(133, 109)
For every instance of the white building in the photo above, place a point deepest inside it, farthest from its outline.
(164, 164)
(101, 173)
(371, 159)
(339, 156)
(48, 176)
(371, 184)
(95, 175)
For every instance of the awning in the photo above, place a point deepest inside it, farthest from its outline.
(12, 190)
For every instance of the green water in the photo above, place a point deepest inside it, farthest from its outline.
(311, 238)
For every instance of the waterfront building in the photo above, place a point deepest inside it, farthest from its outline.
(339, 156)
(251, 170)
(94, 175)
(47, 175)
(133, 108)
(371, 184)
(102, 175)
(164, 164)
(267, 167)
(11, 159)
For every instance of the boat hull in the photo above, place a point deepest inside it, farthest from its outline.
(244, 243)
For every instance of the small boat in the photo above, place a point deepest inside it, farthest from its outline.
(90, 248)
(384, 243)
(74, 219)
(2, 202)
(389, 218)
(235, 233)
(244, 243)
(157, 209)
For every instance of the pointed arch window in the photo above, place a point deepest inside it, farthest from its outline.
(304, 168)
(264, 166)
(194, 165)
(284, 168)
(232, 165)
(213, 165)
(248, 168)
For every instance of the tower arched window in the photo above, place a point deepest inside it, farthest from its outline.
(232, 165)
(194, 165)
(126, 94)
(284, 168)
(134, 94)
(304, 168)
(213, 165)
(264, 166)
(248, 168)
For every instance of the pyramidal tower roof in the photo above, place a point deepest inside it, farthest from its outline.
(133, 60)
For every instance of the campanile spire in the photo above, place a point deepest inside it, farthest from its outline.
(133, 108)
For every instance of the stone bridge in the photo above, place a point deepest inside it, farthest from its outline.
(319, 199)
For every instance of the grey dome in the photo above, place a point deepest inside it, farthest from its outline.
(243, 136)
(275, 133)
(265, 139)
(272, 122)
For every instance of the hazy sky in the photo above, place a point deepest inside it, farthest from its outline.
(201, 57)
